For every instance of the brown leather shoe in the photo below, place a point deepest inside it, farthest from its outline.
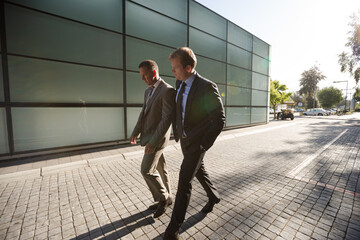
(163, 205)
(156, 205)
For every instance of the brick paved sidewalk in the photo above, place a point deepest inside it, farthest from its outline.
(105, 197)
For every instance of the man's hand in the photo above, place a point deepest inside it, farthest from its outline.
(133, 140)
(149, 148)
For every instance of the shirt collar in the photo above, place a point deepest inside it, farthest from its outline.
(157, 83)
(190, 80)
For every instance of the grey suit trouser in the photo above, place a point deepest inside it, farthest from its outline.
(155, 173)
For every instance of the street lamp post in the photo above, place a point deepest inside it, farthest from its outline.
(347, 82)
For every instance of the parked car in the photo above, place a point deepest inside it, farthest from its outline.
(330, 111)
(315, 112)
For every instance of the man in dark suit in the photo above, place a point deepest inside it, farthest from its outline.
(199, 120)
(154, 126)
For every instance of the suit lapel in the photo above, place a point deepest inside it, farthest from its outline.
(153, 97)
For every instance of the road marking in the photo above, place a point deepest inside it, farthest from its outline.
(327, 186)
(307, 161)
(231, 136)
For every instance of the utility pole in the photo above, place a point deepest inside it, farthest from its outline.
(347, 82)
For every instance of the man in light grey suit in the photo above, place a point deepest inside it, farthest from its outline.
(154, 126)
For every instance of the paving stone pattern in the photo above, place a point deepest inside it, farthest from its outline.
(109, 200)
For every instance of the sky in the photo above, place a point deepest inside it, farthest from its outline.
(301, 33)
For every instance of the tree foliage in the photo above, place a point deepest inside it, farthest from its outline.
(356, 95)
(298, 98)
(309, 80)
(277, 94)
(330, 96)
(350, 62)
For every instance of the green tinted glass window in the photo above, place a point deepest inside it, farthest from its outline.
(41, 35)
(105, 13)
(238, 96)
(4, 146)
(239, 37)
(135, 88)
(132, 118)
(204, 19)
(222, 92)
(138, 50)
(33, 80)
(259, 98)
(237, 116)
(261, 48)
(238, 77)
(211, 69)
(41, 128)
(260, 81)
(1, 82)
(174, 8)
(260, 65)
(206, 45)
(146, 24)
(239, 57)
(258, 115)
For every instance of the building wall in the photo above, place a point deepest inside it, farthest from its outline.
(69, 69)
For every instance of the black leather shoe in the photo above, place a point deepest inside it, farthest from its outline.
(163, 205)
(153, 207)
(209, 206)
(171, 236)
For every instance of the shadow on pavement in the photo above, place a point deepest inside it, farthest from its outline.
(122, 227)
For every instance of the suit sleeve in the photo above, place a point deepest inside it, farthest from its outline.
(215, 110)
(167, 113)
(137, 128)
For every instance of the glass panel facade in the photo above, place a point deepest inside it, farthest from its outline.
(239, 57)
(105, 13)
(138, 50)
(33, 80)
(144, 23)
(170, 80)
(40, 35)
(132, 117)
(237, 116)
(260, 81)
(135, 88)
(260, 65)
(172, 8)
(4, 146)
(259, 98)
(213, 70)
(238, 96)
(206, 45)
(258, 115)
(222, 92)
(1, 82)
(204, 19)
(66, 68)
(261, 48)
(239, 37)
(238, 77)
(41, 128)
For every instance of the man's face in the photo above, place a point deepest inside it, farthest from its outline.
(179, 71)
(148, 76)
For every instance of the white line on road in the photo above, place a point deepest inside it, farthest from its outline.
(296, 170)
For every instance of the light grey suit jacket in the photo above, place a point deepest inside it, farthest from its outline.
(155, 119)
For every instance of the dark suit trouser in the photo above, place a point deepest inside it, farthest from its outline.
(192, 166)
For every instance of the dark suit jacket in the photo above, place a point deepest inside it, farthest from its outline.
(155, 119)
(204, 113)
